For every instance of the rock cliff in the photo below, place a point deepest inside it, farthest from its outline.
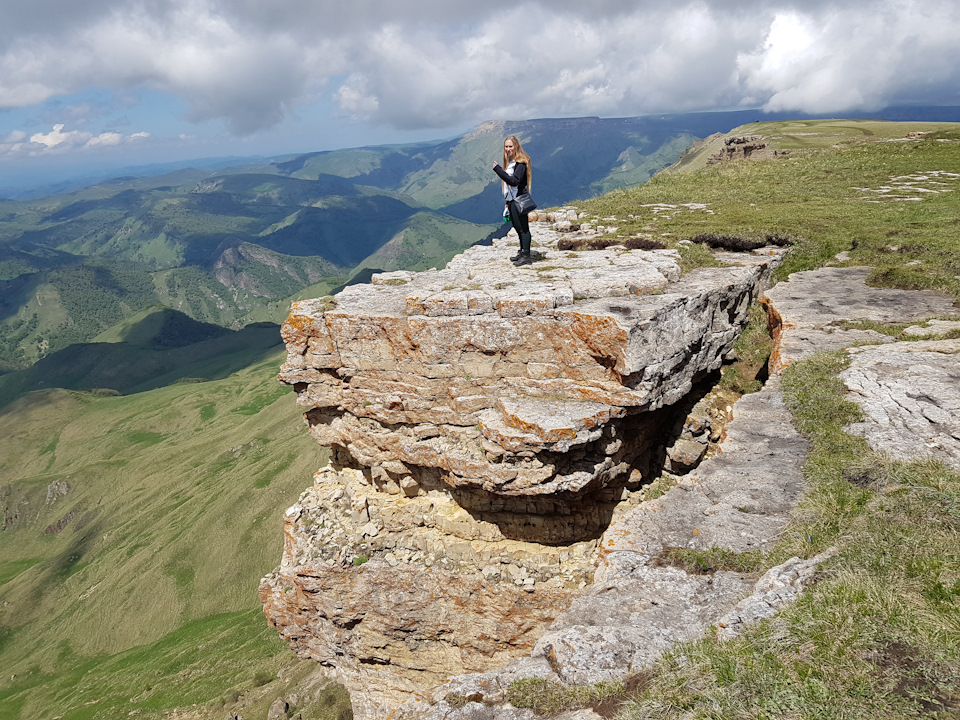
(740, 498)
(487, 423)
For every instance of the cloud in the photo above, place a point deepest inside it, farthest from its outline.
(850, 59)
(446, 63)
(58, 141)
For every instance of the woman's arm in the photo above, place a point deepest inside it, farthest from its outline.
(518, 177)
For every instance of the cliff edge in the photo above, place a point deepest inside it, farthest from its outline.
(487, 425)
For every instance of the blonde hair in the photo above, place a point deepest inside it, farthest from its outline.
(519, 155)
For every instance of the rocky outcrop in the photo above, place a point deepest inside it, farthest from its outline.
(488, 423)
(739, 499)
(492, 429)
(910, 396)
(779, 586)
(743, 147)
(493, 381)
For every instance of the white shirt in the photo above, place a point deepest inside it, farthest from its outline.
(509, 191)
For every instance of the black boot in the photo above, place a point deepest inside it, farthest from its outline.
(524, 259)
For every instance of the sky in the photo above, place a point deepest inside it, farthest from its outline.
(108, 83)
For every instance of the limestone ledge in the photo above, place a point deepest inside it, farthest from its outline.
(741, 498)
(513, 380)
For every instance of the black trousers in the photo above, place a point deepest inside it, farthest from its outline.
(521, 224)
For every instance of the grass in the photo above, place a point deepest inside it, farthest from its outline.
(752, 349)
(206, 667)
(815, 197)
(547, 697)
(705, 562)
(136, 590)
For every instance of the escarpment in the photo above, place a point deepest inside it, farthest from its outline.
(487, 424)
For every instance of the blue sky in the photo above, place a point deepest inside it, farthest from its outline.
(105, 83)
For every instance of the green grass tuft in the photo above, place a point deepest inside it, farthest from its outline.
(548, 698)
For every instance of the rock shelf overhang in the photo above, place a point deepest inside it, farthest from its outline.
(487, 424)
(514, 381)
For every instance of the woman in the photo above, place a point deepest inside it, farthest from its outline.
(516, 176)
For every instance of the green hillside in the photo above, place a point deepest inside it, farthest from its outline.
(804, 135)
(135, 532)
(229, 250)
(424, 242)
(161, 348)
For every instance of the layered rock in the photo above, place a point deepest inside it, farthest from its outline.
(511, 381)
(740, 498)
(487, 424)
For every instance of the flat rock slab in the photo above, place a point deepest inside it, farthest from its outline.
(740, 499)
(810, 313)
(910, 396)
(933, 327)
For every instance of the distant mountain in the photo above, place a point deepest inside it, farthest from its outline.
(41, 185)
(230, 244)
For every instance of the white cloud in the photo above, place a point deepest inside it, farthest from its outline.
(847, 58)
(353, 98)
(446, 63)
(59, 140)
(56, 137)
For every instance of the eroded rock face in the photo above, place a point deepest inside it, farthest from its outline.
(488, 423)
(396, 592)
